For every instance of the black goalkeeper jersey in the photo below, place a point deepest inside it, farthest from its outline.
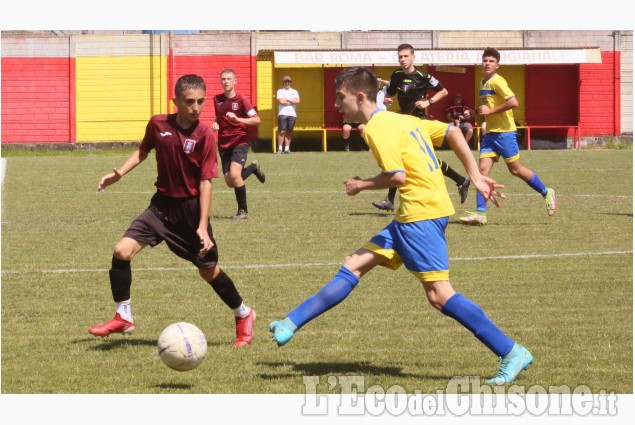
(411, 88)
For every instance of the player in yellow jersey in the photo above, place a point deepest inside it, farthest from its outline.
(403, 147)
(497, 103)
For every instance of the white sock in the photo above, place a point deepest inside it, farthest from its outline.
(279, 148)
(123, 308)
(242, 311)
(286, 149)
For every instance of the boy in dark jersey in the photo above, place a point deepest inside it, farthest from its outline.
(411, 87)
(233, 114)
(179, 210)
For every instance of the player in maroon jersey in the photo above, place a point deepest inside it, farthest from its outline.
(233, 114)
(179, 210)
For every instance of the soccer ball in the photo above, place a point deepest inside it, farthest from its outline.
(182, 346)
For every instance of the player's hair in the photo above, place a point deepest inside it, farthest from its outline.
(490, 51)
(228, 71)
(189, 82)
(358, 79)
(406, 46)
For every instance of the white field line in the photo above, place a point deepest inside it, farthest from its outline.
(304, 265)
(368, 193)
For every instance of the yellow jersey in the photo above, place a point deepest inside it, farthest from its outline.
(494, 92)
(406, 143)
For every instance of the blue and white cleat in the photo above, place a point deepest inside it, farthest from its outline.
(512, 364)
(282, 330)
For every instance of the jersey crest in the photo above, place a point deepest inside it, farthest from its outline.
(188, 146)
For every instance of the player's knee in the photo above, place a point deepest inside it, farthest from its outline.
(434, 300)
(123, 251)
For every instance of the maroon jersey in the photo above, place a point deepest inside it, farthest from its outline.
(456, 110)
(184, 156)
(230, 133)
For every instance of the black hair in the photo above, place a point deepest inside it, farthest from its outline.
(490, 51)
(358, 79)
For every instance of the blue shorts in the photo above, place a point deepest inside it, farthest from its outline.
(495, 145)
(420, 246)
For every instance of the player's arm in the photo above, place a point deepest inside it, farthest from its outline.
(510, 103)
(380, 181)
(483, 184)
(205, 197)
(252, 115)
(135, 158)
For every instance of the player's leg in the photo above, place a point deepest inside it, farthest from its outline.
(331, 294)
(462, 183)
(138, 235)
(388, 204)
(426, 256)
(233, 163)
(488, 156)
(226, 290)
(514, 357)
(532, 179)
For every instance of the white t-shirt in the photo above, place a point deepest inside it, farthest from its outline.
(380, 98)
(287, 94)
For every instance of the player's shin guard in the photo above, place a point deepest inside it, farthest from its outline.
(120, 279)
(224, 287)
(328, 297)
(472, 317)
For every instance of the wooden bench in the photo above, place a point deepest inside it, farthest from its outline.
(320, 129)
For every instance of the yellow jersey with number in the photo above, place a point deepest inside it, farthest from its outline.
(406, 143)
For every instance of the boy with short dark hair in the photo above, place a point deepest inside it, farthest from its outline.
(500, 140)
(179, 210)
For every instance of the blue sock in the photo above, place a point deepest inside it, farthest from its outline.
(472, 317)
(481, 203)
(328, 297)
(536, 184)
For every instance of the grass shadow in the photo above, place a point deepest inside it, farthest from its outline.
(345, 368)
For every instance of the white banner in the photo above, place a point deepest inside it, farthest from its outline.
(435, 57)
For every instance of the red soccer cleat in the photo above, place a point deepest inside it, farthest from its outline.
(115, 325)
(245, 329)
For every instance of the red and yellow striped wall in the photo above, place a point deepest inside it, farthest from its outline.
(103, 88)
(94, 88)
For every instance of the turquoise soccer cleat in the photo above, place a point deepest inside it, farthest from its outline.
(282, 330)
(512, 364)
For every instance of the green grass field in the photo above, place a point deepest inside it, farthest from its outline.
(562, 286)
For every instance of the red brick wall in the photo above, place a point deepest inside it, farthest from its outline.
(210, 67)
(599, 97)
(36, 105)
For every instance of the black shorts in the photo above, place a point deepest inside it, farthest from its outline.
(237, 154)
(286, 122)
(174, 221)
